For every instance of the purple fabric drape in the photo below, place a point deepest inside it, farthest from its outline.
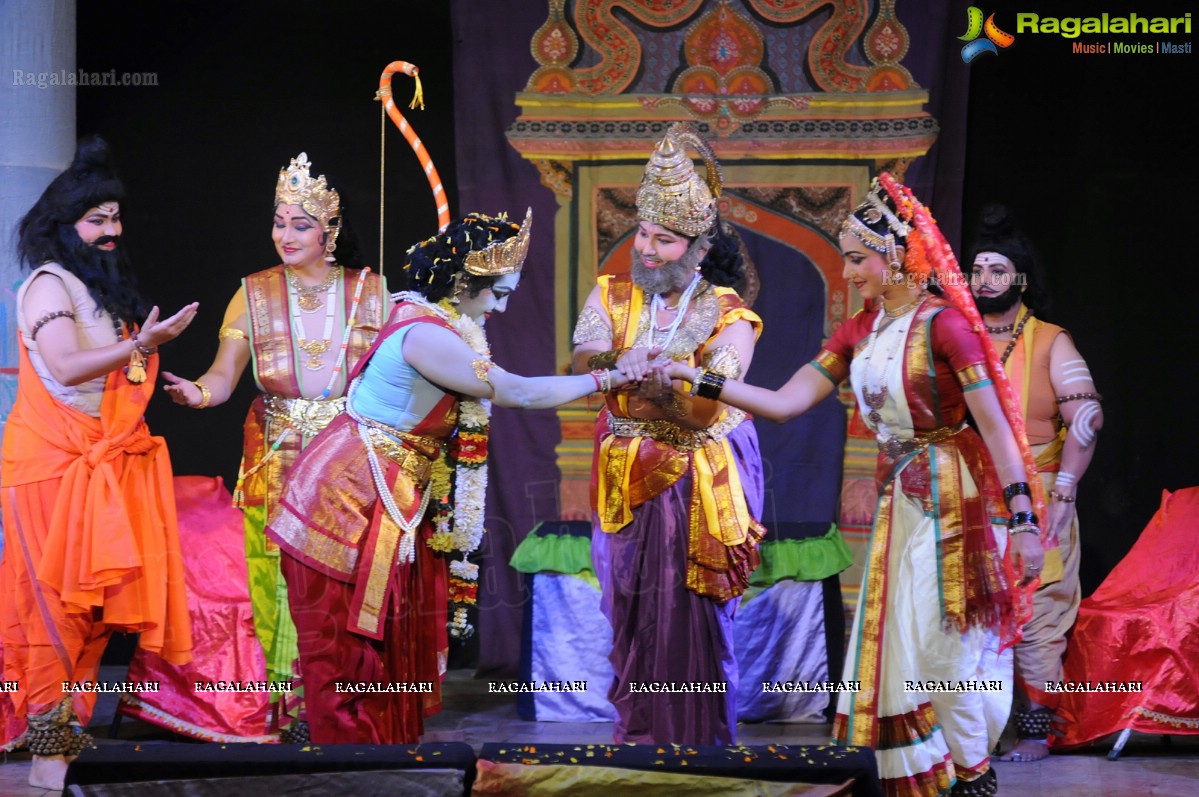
(663, 632)
(492, 62)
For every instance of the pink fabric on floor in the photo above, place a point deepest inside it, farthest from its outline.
(218, 598)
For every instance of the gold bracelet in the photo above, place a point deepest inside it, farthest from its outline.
(205, 394)
(1065, 499)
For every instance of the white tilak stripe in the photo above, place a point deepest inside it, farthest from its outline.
(1086, 378)
(1081, 428)
(1076, 369)
(1072, 362)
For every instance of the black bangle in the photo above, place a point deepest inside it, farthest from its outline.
(1014, 489)
(708, 384)
(1025, 518)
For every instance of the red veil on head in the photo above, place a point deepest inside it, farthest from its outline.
(928, 251)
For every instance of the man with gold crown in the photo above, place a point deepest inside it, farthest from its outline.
(373, 508)
(677, 479)
(304, 324)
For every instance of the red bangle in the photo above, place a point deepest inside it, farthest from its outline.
(595, 375)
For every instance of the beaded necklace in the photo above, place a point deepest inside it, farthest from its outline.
(657, 304)
(313, 348)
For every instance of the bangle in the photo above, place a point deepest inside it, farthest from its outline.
(606, 381)
(1079, 397)
(596, 376)
(1028, 528)
(1025, 518)
(707, 384)
(1014, 489)
(1065, 499)
(205, 394)
(142, 348)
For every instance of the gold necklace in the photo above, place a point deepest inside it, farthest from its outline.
(308, 297)
(898, 311)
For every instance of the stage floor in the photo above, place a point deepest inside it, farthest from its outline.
(1150, 765)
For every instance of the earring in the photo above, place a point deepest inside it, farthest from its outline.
(331, 244)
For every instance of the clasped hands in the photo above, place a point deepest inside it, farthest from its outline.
(651, 373)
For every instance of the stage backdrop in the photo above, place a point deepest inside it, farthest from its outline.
(794, 278)
(1087, 148)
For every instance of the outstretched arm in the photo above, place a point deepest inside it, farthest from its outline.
(806, 388)
(227, 367)
(58, 343)
(445, 360)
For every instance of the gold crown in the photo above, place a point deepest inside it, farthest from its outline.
(297, 187)
(671, 193)
(502, 257)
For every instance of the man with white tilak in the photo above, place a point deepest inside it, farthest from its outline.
(1063, 415)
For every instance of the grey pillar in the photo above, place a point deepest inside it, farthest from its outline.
(37, 139)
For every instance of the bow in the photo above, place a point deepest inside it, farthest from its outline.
(422, 155)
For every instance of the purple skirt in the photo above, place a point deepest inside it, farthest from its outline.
(672, 650)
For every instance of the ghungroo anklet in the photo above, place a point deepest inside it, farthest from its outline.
(1033, 724)
(986, 785)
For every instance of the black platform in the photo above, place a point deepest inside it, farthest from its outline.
(117, 770)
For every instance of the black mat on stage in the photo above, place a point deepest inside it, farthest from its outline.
(821, 764)
(114, 770)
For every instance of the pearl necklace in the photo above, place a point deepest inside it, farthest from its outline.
(657, 304)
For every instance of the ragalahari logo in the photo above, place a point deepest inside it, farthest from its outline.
(974, 28)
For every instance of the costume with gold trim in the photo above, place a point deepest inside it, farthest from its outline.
(676, 530)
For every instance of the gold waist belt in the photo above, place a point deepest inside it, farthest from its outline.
(895, 447)
(412, 463)
(671, 433)
(307, 416)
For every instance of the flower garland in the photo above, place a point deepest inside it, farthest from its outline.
(462, 473)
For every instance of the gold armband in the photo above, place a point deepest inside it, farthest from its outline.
(482, 367)
(725, 361)
(605, 360)
(231, 333)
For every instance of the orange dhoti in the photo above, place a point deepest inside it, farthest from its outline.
(91, 541)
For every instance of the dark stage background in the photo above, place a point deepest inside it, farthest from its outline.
(1087, 148)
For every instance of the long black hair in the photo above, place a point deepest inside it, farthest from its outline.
(47, 232)
(433, 266)
(998, 232)
(723, 265)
